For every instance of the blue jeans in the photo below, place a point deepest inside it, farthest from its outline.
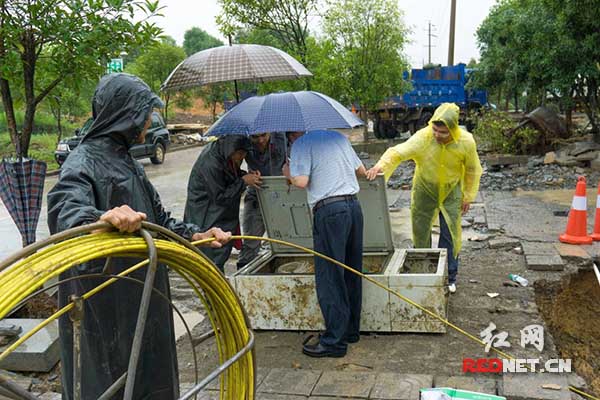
(445, 242)
(338, 233)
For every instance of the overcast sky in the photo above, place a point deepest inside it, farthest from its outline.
(181, 15)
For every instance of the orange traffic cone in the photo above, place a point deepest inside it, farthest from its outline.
(596, 234)
(577, 224)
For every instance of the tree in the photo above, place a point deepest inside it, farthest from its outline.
(196, 39)
(154, 65)
(576, 55)
(362, 52)
(71, 38)
(544, 48)
(286, 20)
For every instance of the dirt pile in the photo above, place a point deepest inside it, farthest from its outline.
(572, 313)
(41, 306)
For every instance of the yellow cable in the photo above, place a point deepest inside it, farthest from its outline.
(391, 291)
(223, 308)
(222, 305)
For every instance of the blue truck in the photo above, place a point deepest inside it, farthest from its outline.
(431, 87)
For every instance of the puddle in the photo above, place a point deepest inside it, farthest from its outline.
(558, 196)
(571, 311)
(372, 264)
(416, 263)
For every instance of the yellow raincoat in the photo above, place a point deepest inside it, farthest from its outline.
(446, 175)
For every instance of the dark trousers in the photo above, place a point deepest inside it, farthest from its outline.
(338, 233)
(445, 242)
(220, 255)
(253, 225)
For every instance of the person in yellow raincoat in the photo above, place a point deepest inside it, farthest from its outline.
(445, 183)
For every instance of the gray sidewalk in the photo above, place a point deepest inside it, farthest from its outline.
(300, 384)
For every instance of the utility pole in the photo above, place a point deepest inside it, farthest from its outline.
(452, 28)
(429, 36)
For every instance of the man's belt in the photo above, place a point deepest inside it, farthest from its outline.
(333, 199)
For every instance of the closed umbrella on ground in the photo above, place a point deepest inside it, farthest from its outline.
(21, 190)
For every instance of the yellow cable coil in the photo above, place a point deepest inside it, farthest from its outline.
(209, 284)
(222, 305)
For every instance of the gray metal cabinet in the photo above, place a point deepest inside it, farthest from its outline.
(277, 297)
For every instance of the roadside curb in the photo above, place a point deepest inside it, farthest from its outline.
(172, 150)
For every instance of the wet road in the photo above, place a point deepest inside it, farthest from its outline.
(170, 179)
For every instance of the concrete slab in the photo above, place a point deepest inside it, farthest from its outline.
(40, 353)
(50, 396)
(474, 384)
(504, 243)
(289, 381)
(506, 159)
(204, 394)
(261, 373)
(572, 251)
(264, 396)
(545, 263)
(343, 383)
(538, 249)
(479, 220)
(392, 386)
(593, 250)
(191, 318)
(529, 387)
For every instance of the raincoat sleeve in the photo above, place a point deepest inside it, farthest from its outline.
(472, 172)
(217, 188)
(164, 219)
(71, 202)
(393, 156)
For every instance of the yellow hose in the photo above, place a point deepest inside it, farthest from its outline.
(222, 306)
(225, 312)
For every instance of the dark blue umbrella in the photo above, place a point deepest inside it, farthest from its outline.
(21, 191)
(281, 112)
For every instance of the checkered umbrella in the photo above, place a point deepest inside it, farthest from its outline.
(21, 190)
(285, 112)
(239, 62)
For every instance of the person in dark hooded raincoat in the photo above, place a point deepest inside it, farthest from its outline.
(101, 181)
(215, 189)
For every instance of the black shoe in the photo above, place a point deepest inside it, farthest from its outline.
(352, 338)
(318, 350)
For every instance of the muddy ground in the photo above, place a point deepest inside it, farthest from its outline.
(564, 306)
(567, 308)
(571, 310)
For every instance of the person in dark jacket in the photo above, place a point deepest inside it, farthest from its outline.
(215, 188)
(101, 181)
(266, 157)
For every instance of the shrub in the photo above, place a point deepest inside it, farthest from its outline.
(494, 132)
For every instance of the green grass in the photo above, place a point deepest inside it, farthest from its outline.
(43, 141)
(42, 147)
(44, 123)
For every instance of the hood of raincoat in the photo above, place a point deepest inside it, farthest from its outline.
(446, 175)
(120, 106)
(448, 113)
(227, 145)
